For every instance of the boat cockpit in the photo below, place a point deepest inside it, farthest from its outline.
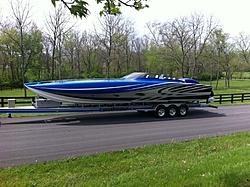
(136, 75)
(145, 75)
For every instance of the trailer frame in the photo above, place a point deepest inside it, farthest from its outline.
(160, 110)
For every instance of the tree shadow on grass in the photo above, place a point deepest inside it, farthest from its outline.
(235, 179)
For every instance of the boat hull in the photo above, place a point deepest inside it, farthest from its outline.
(121, 91)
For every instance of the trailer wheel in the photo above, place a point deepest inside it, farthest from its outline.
(182, 110)
(160, 111)
(172, 111)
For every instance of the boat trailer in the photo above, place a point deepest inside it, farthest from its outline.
(160, 110)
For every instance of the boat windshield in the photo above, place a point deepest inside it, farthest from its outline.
(135, 75)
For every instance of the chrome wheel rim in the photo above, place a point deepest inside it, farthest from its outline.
(161, 112)
(183, 111)
(172, 111)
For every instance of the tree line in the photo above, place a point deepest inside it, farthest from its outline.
(190, 46)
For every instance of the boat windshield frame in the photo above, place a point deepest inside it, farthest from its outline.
(135, 75)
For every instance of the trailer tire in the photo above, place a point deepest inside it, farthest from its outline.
(160, 111)
(182, 110)
(172, 111)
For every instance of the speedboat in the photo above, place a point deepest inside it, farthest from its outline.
(137, 87)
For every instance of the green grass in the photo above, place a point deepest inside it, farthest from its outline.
(237, 86)
(16, 93)
(221, 161)
(245, 75)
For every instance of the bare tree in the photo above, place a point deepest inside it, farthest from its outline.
(72, 50)
(122, 41)
(47, 57)
(177, 37)
(57, 25)
(113, 41)
(69, 51)
(138, 45)
(185, 38)
(242, 42)
(21, 14)
(88, 52)
(154, 33)
(201, 30)
(218, 44)
(80, 52)
(229, 66)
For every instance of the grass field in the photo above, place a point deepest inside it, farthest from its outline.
(16, 93)
(237, 86)
(222, 161)
(245, 75)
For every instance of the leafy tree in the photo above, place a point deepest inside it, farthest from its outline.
(230, 62)
(208, 65)
(71, 51)
(218, 39)
(34, 47)
(110, 7)
(159, 61)
(10, 55)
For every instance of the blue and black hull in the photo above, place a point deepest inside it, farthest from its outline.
(121, 90)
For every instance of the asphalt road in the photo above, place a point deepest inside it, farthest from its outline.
(39, 139)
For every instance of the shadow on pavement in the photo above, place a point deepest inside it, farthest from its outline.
(108, 118)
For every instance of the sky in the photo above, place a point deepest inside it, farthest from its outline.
(233, 15)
